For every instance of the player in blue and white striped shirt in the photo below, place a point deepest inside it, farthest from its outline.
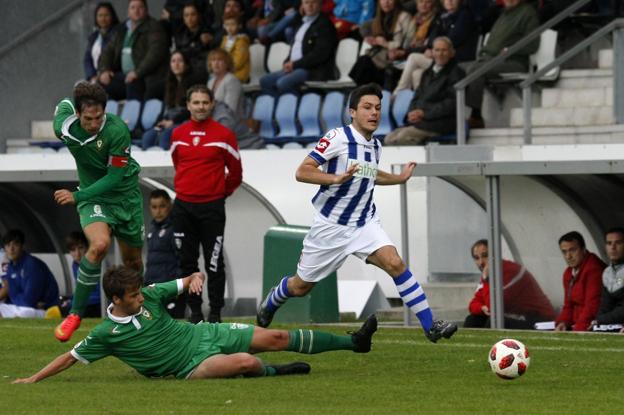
(346, 222)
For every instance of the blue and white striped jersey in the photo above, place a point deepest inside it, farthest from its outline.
(350, 203)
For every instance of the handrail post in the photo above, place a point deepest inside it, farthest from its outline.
(526, 112)
(461, 116)
(618, 76)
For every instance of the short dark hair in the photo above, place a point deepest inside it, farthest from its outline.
(158, 193)
(14, 235)
(142, 1)
(74, 239)
(616, 229)
(573, 236)
(108, 6)
(360, 91)
(478, 243)
(88, 95)
(118, 279)
(199, 88)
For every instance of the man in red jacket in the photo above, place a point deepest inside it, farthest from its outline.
(582, 284)
(207, 170)
(525, 302)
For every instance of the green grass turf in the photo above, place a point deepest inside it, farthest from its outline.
(404, 374)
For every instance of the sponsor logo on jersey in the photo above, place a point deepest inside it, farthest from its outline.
(238, 326)
(196, 140)
(99, 143)
(365, 169)
(198, 133)
(97, 212)
(322, 145)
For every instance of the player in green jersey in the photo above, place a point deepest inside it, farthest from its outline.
(139, 331)
(108, 200)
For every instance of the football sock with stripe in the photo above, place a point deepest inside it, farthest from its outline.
(314, 341)
(414, 297)
(88, 278)
(279, 296)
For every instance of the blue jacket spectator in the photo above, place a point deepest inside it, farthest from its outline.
(105, 21)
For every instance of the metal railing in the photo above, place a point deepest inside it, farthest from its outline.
(41, 26)
(618, 45)
(461, 85)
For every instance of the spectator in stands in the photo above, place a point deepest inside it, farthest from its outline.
(456, 23)
(225, 86)
(31, 287)
(268, 14)
(611, 309)
(389, 35)
(179, 78)
(237, 45)
(311, 56)
(432, 110)
(582, 284)
(194, 38)
(162, 258)
(524, 301)
(237, 7)
(172, 14)
(350, 14)
(105, 22)
(516, 21)
(77, 245)
(133, 65)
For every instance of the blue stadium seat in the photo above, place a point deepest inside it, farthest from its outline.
(285, 116)
(333, 110)
(308, 116)
(263, 113)
(385, 126)
(130, 113)
(151, 110)
(400, 106)
(112, 107)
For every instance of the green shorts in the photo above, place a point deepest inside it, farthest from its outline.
(125, 220)
(219, 338)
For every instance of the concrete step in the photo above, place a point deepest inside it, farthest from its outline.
(585, 78)
(595, 134)
(605, 59)
(565, 117)
(568, 98)
(42, 130)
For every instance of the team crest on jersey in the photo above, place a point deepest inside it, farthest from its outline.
(178, 243)
(99, 143)
(146, 313)
(162, 233)
(322, 145)
(196, 140)
(97, 212)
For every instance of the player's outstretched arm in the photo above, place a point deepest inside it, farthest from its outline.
(308, 172)
(194, 283)
(64, 361)
(385, 178)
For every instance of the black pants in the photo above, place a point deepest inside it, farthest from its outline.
(474, 321)
(195, 224)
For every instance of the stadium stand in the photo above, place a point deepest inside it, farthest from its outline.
(151, 110)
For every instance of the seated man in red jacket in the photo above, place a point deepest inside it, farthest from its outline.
(582, 284)
(525, 303)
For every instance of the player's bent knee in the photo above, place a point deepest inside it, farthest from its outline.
(99, 248)
(394, 265)
(248, 363)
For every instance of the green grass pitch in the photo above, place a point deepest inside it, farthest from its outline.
(404, 374)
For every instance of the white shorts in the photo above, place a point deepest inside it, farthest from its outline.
(15, 311)
(327, 246)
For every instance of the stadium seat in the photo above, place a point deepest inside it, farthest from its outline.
(385, 126)
(400, 106)
(346, 55)
(278, 52)
(544, 55)
(364, 48)
(112, 107)
(308, 116)
(130, 113)
(292, 145)
(151, 110)
(273, 147)
(257, 52)
(333, 110)
(263, 112)
(285, 116)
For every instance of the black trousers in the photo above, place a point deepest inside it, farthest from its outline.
(474, 321)
(196, 224)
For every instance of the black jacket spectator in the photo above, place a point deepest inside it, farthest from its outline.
(162, 261)
(462, 29)
(319, 49)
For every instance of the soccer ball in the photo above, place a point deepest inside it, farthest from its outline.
(509, 359)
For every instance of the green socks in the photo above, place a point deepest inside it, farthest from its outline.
(313, 341)
(88, 278)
